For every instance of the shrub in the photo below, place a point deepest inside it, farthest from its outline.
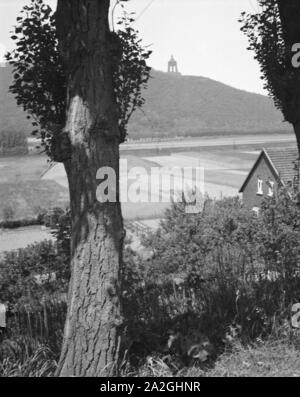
(214, 277)
(18, 269)
(220, 274)
(7, 213)
(33, 285)
(59, 221)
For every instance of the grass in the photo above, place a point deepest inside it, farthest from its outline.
(22, 192)
(42, 363)
(26, 199)
(141, 211)
(135, 161)
(22, 189)
(277, 358)
(269, 359)
(22, 168)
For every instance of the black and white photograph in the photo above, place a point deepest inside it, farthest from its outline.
(149, 192)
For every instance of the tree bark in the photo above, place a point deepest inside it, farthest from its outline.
(92, 330)
(289, 11)
(297, 133)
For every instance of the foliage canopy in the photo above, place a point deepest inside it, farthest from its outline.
(274, 54)
(40, 81)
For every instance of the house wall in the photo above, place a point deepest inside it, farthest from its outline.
(263, 171)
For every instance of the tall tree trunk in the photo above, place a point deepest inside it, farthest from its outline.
(289, 11)
(297, 133)
(92, 330)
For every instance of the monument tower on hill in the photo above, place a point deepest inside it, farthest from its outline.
(172, 65)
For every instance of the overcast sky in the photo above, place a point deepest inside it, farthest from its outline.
(203, 35)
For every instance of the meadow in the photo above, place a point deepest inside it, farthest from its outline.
(30, 185)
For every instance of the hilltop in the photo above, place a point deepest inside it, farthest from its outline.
(176, 105)
(12, 117)
(190, 105)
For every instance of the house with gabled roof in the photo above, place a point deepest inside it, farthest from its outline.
(274, 168)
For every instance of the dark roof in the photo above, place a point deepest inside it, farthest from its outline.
(284, 161)
(281, 160)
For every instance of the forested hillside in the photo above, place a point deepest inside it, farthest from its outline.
(175, 106)
(189, 105)
(12, 117)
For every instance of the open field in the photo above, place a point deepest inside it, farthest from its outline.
(28, 183)
(25, 200)
(224, 170)
(24, 191)
(15, 169)
(143, 211)
(219, 180)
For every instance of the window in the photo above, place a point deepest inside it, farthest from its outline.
(271, 188)
(259, 186)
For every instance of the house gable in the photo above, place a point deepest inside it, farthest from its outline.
(262, 157)
(256, 186)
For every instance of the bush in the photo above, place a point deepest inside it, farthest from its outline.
(20, 270)
(36, 303)
(59, 221)
(14, 224)
(221, 274)
(7, 213)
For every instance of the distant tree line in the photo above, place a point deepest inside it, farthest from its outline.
(13, 142)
